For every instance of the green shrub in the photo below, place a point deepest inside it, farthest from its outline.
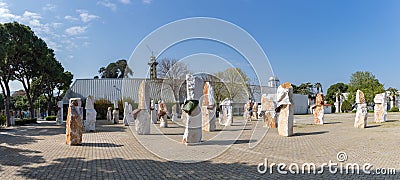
(25, 121)
(101, 107)
(2, 119)
(346, 106)
(51, 118)
(370, 111)
(394, 109)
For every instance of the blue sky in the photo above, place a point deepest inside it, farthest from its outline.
(305, 40)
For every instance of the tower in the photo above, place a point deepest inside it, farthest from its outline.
(273, 82)
(153, 67)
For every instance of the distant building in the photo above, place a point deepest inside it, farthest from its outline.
(274, 82)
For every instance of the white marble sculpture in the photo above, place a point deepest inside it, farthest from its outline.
(193, 126)
(116, 113)
(380, 109)
(128, 117)
(285, 109)
(153, 112)
(174, 113)
(208, 109)
(90, 122)
(225, 115)
(142, 122)
(109, 116)
(319, 109)
(59, 119)
(162, 114)
(268, 112)
(362, 112)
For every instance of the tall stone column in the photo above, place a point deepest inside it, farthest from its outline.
(285, 109)
(380, 109)
(162, 114)
(59, 119)
(193, 121)
(74, 125)
(90, 122)
(109, 116)
(248, 111)
(319, 109)
(268, 112)
(254, 115)
(225, 116)
(128, 117)
(208, 108)
(142, 123)
(153, 112)
(362, 111)
(116, 113)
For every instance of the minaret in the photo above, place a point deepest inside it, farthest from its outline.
(153, 67)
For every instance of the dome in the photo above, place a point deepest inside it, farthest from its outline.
(273, 78)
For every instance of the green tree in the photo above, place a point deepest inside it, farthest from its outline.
(367, 83)
(346, 106)
(393, 92)
(118, 69)
(236, 82)
(336, 89)
(304, 89)
(7, 46)
(318, 87)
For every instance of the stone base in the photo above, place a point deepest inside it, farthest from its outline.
(163, 121)
(74, 127)
(59, 119)
(361, 116)
(208, 119)
(319, 115)
(285, 120)
(142, 123)
(153, 116)
(269, 120)
(90, 122)
(115, 116)
(380, 113)
(193, 133)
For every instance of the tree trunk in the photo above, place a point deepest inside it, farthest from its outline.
(7, 104)
(394, 101)
(28, 96)
(339, 105)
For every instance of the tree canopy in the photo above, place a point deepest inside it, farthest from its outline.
(367, 83)
(336, 89)
(118, 69)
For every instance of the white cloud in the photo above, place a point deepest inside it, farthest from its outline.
(147, 1)
(108, 4)
(6, 15)
(125, 1)
(75, 30)
(86, 17)
(49, 7)
(70, 18)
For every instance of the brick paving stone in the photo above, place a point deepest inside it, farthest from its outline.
(38, 151)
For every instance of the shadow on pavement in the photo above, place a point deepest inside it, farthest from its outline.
(117, 168)
(310, 133)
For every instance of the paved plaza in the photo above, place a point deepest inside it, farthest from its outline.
(113, 152)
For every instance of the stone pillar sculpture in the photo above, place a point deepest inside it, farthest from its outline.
(362, 112)
(109, 116)
(248, 111)
(142, 123)
(153, 112)
(174, 113)
(380, 109)
(254, 115)
(193, 121)
(162, 114)
(285, 109)
(319, 109)
(74, 125)
(59, 119)
(115, 113)
(225, 116)
(90, 122)
(268, 112)
(128, 117)
(208, 108)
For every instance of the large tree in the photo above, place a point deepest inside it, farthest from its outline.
(6, 67)
(304, 89)
(173, 74)
(118, 69)
(367, 83)
(334, 89)
(236, 82)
